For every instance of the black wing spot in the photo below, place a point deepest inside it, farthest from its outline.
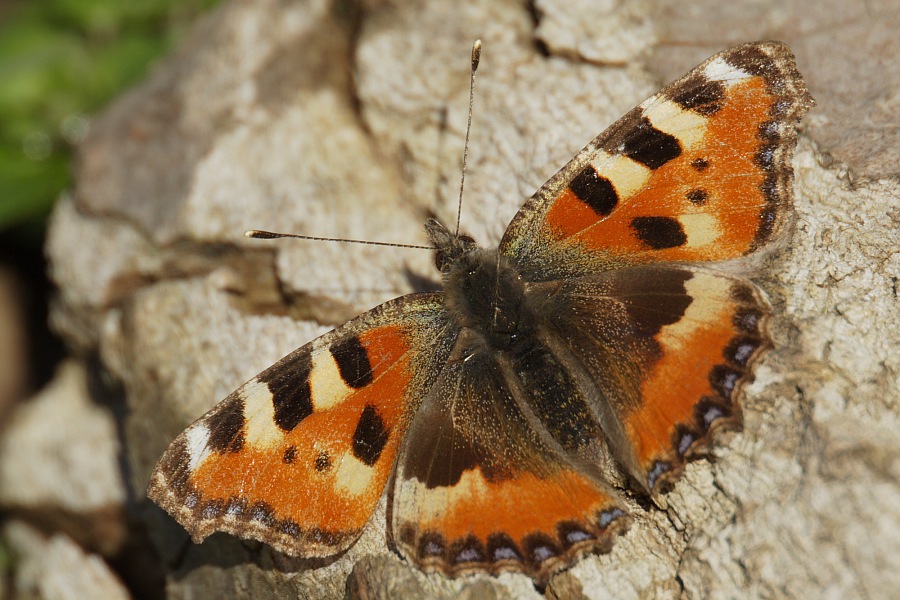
(226, 427)
(740, 350)
(650, 146)
(658, 470)
(407, 534)
(700, 95)
(595, 191)
(709, 410)
(698, 196)
(659, 233)
(352, 361)
(431, 544)
(765, 158)
(644, 314)
(571, 533)
(323, 461)
(610, 516)
(262, 511)
(289, 528)
(539, 548)
(767, 219)
(288, 382)
(370, 436)
(212, 509)
(724, 380)
(748, 320)
(467, 550)
(700, 164)
(769, 132)
(290, 455)
(236, 507)
(751, 59)
(682, 439)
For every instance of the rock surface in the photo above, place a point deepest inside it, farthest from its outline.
(57, 568)
(59, 463)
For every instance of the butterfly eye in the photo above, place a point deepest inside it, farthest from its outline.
(441, 261)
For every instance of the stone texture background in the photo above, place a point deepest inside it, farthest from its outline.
(345, 118)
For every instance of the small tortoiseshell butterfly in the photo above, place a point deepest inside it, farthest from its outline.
(594, 340)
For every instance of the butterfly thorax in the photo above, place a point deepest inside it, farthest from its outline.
(483, 290)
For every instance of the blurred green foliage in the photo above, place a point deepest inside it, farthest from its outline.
(61, 61)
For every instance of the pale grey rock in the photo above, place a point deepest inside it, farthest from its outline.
(56, 568)
(59, 462)
(605, 32)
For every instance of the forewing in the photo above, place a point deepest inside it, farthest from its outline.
(701, 171)
(299, 456)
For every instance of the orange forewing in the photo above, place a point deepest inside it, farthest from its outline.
(732, 181)
(297, 490)
(307, 490)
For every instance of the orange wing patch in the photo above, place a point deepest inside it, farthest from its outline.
(694, 388)
(705, 203)
(529, 523)
(481, 485)
(698, 172)
(327, 472)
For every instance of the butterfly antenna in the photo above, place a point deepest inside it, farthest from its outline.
(271, 235)
(476, 58)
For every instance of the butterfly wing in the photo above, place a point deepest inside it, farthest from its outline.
(701, 171)
(299, 456)
(482, 486)
(667, 349)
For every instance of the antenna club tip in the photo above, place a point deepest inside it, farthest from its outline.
(476, 54)
(260, 235)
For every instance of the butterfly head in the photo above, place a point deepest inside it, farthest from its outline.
(483, 290)
(449, 247)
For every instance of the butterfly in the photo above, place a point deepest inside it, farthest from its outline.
(597, 348)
